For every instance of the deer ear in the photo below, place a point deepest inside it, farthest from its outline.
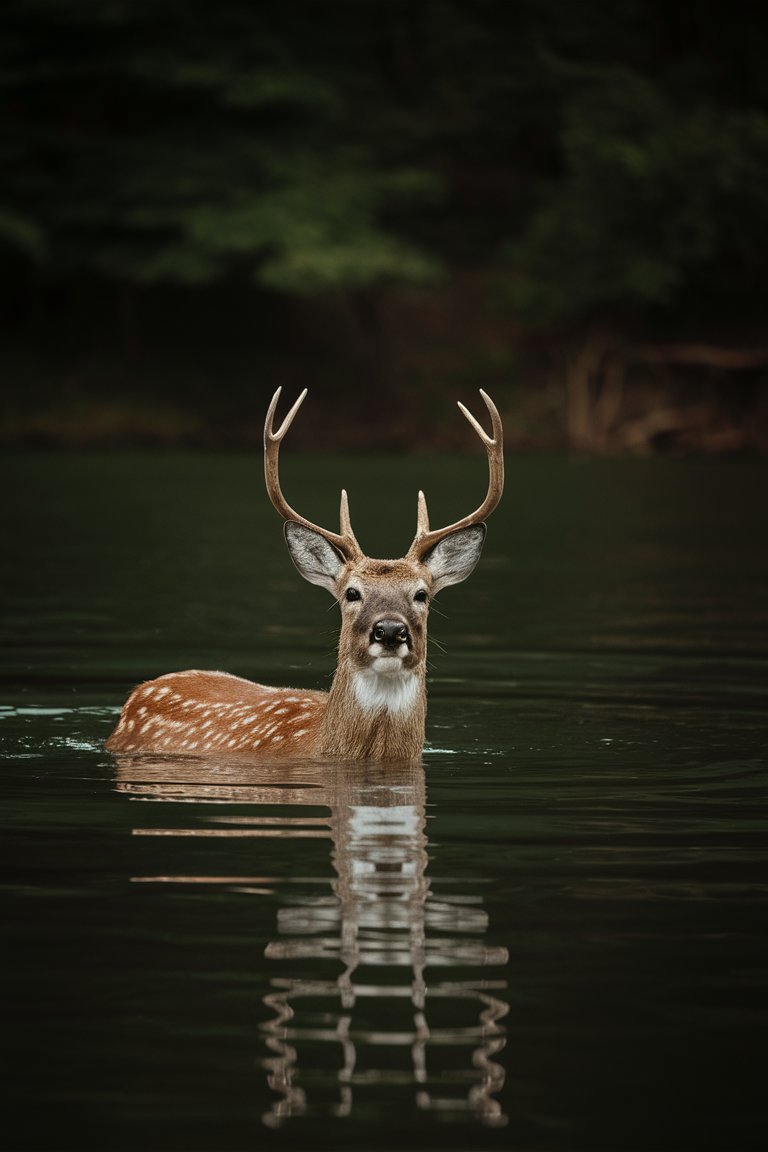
(316, 559)
(454, 557)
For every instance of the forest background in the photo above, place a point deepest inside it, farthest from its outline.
(392, 202)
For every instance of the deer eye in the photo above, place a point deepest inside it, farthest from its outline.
(421, 595)
(352, 594)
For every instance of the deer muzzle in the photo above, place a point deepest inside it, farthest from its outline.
(390, 634)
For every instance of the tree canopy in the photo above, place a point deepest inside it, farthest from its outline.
(585, 168)
(595, 156)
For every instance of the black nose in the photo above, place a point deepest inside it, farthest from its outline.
(392, 632)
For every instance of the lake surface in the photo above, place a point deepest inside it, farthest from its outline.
(549, 935)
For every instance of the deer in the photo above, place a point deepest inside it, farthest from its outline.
(376, 707)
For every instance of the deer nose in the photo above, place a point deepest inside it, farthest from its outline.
(391, 632)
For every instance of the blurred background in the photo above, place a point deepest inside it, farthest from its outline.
(392, 202)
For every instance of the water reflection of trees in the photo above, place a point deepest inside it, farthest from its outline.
(380, 985)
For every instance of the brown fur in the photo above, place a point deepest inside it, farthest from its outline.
(376, 708)
(199, 713)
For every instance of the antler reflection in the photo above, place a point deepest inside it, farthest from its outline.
(377, 1019)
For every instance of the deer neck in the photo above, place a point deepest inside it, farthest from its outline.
(374, 716)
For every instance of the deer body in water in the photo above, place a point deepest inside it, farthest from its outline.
(376, 707)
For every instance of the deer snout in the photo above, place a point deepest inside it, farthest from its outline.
(393, 633)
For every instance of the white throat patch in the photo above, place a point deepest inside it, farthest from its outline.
(395, 691)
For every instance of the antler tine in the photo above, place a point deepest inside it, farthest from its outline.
(498, 432)
(345, 541)
(494, 447)
(344, 520)
(269, 423)
(422, 516)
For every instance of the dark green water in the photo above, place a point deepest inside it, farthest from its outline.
(551, 935)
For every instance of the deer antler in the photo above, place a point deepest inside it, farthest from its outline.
(345, 541)
(425, 540)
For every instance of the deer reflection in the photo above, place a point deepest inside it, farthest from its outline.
(378, 976)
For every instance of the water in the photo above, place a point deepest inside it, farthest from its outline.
(548, 935)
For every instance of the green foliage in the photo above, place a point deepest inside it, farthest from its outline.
(183, 150)
(21, 234)
(598, 157)
(656, 197)
(307, 226)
